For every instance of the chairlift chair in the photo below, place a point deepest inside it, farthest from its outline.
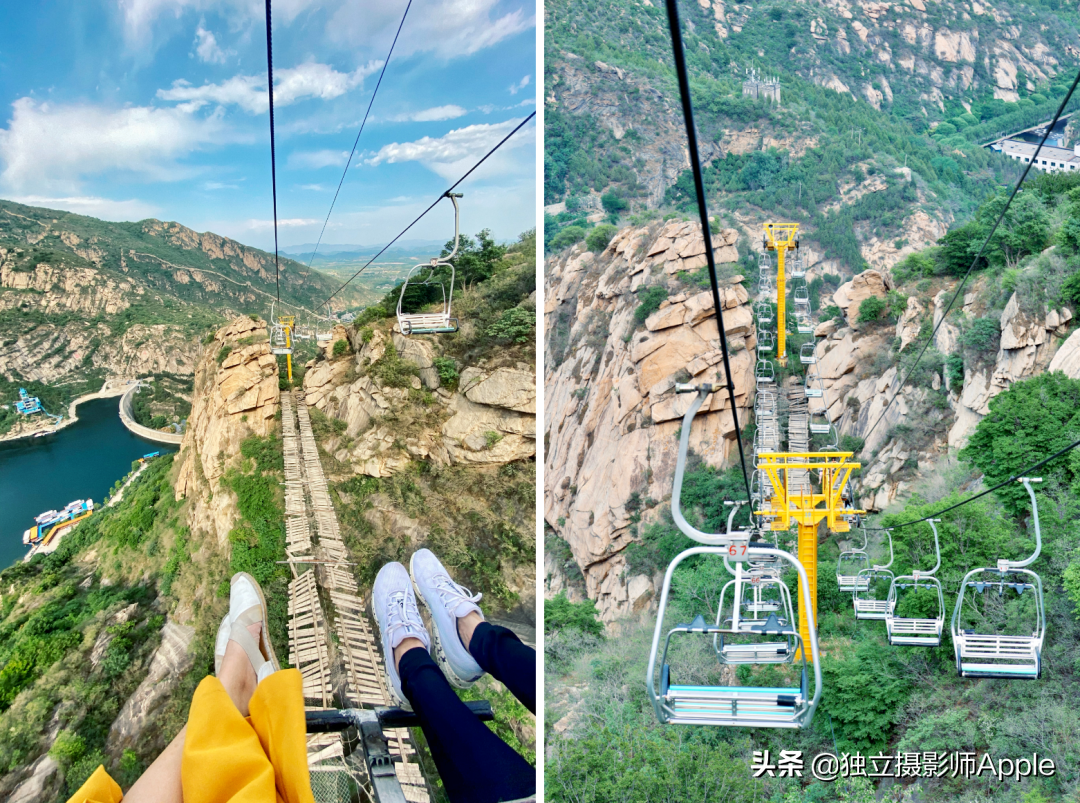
(765, 373)
(802, 295)
(798, 266)
(814, 390)
(996, 655)
(323, 335)
(913, 631)
(280, 335)
(808, 354)
(764, 313)
(819, 422)
(849, 567)
(733, 706)
(765, 341)
(803, 324)
(867, 606)
(760, 605)
(433, 323)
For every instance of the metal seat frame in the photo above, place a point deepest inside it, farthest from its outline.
(739, 706)
(433, 323)
(994, 655)
(865, 607)
(916, 631)
(848, 582)
(280, 336)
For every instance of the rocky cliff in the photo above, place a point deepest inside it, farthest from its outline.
(612, 419)
(611, 414)
(236, 395)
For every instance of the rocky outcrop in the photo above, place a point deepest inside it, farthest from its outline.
(236, 395)
(171, 661)
(490, 419)
(610, 408)
(864, 285)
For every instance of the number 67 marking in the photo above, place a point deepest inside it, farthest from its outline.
(738, 552)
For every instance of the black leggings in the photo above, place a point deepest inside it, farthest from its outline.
(475, 765)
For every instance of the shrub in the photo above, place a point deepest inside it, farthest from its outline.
(448, 372)
(613, 203)
(560, 614)
(515, 325)
(491, 437)
(850, 443)
(599, 237)
(983, 336)
(341, 348)
(366, 334)
(954, 370)
(393, 371)
(650, 300)
(225, 352)
(832, 313)
(871, 309)
(567, 237)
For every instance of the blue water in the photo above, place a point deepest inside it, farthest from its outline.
(78, 462)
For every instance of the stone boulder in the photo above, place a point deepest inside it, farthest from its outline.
(1067, 359)
(910, 322)
(480, 433)
(864, 285)
(420, 352)
(512, 389)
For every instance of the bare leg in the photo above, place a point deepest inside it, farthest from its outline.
(161, 781)
(466, 625)
(237, 674)
(406, 645)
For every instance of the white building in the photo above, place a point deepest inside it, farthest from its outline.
(1051, 159)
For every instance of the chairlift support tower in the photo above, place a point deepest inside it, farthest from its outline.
(807, 510)
(780, 237)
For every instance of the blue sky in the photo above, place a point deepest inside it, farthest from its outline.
(127, 109)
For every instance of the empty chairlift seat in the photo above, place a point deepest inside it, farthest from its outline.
(849, 568)
(915, 631)
(441, 321)
(983, 651)
(868, 603)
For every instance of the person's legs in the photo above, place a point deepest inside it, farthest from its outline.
(474, 764)
(465, 645)
(501, 654)
(161, 781)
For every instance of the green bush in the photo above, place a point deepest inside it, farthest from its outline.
(392, 370)
(341, 348)
(225, 352)
(515, 325)
(448, 372)
(567, 237)
(851, 443)
(954, 371)
(613, 203)
(871, 309)
(982, 337)
(650, 300)
(561, 614)
(599, 237)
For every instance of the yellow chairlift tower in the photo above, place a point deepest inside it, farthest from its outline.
(288, 322)
(807, 510)
(780, 237)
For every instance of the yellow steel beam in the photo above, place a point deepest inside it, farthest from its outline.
(780, 237)
(288, 321)
(805, 509)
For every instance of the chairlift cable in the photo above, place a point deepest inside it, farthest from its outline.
(978, 256)
(433, 205)
(273, 165)
(1026, 472)
(699, 186)
(352, 153)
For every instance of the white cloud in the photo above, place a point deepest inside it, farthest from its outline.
(435, 113)
(103, 208)
(218, 185)
(207, 48)
(449, 28)
(452, 154)
(49, 146)
(524, 82)
(313, 187)
(255, 224)
(140, 16)
(308, 80)
(316, 160)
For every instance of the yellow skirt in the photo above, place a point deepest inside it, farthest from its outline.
(228, 757)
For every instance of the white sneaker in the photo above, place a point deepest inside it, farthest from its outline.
(393, 605)
(447, 602)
